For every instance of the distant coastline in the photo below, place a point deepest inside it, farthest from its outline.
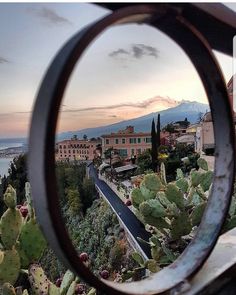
(9, 149)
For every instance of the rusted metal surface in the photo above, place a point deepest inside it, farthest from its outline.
(171, 21)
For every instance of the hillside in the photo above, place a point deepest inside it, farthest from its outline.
(185, 109)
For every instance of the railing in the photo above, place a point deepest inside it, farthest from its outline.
(197, 28)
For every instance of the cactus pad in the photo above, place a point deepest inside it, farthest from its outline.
(179, 174)
(147, 193)
(136, 197)
(32, 241)
(71, 289)
(206, 180)
(11, 223)
(197, 213)
(53, 290)
(10, 267)
(152, 182)
(174, 195)
(153, 208)
(181, 226)
(182, 184)
(10, 197)
(196, 178)
(202, 163)
(67, 280)
(38, 280)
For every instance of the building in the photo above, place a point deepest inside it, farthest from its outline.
(76, 149)
(129, 143)
(205, 140)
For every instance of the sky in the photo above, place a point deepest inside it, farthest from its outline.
(129, 71)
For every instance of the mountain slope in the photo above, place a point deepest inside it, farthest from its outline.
(186, 109)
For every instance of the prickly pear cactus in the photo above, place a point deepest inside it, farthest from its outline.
(10, 227)
(172, 209)
(137, 197)
(32, 242)
(10, 197)
(10, 267)
(66, 282)
(38, 280)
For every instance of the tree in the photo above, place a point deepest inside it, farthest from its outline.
(169, 128)
(144, 161)
(154, 146)
(17, 176)
(85, 137)
(74, 202)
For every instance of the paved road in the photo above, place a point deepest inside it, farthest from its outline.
(135, 227)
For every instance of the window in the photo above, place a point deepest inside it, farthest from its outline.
(148, 140)
(132, 140)
(107, 141)
(73, 151)
(64, 146)
(132, 151)
(123, 152)
(69, 151)
(123, 140)
(60, 147)
(116, 141)
(139, 140)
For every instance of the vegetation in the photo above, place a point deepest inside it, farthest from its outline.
(171, 211)
(17, 177)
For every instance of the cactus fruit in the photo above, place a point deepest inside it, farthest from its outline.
(38, 280)
(202, 163)
(10, 197)
(11, 222)
(32, 242)
(174, 195)
(10, 267)
(67, 280)
(8, 289)
(136, 197)
(152, 208)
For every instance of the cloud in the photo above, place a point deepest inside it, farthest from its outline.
(49, 15)
(117, 52)
(3, 60)
(162, 101)
(136, 51)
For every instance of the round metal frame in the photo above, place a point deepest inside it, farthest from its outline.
(42, 142)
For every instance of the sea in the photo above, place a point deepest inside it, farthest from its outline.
(8, 143)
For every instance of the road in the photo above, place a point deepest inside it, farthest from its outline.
(134, 226)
